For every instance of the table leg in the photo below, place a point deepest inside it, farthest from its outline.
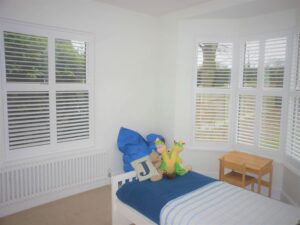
(259, 183)
(221, 170)
(270, 182)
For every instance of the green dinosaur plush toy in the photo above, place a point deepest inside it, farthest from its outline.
(171, 162)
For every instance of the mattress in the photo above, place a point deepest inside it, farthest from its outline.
(195, 199)
(220, 203)
(149, 197)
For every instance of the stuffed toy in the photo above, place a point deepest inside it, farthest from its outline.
(171, 162)
(156, 161)
(134, 146)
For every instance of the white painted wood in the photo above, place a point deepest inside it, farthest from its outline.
(26, 182)
(51, 87)
(123, 214)
(50, 197)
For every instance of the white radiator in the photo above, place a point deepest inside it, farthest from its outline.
(26, 181)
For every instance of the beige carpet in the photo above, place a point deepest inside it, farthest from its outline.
(88, 208)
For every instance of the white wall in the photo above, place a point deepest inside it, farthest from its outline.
(126, 59)
(291, 186)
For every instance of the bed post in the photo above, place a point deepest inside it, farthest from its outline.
(116, 182)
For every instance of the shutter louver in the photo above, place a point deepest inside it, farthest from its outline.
(72, 115)
(251, 61)
(246, 119)
(212, 113)
(28, 119)
(293, 142)
(26, 58)
(270, 123)
(214, 65)
(274, 63)
(70, 61)
(296, 84)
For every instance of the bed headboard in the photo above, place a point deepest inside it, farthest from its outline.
(116, 182)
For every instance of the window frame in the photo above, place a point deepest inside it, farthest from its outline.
(52, 87)
(205, 145)
(260, 91)
(236, 89)
(292, 93)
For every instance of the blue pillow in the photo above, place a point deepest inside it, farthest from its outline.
(132, 145)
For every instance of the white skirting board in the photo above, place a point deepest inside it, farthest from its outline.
(27, 185)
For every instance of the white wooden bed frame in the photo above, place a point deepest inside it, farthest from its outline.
(123, 214)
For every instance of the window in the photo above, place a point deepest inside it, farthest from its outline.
(245, 109)
(260, 93)
(47, 89)
(274, 63)
(246, 119)
(251, 61)
(293, 134)
(212, 95)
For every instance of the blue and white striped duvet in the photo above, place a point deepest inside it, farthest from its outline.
(219, 203)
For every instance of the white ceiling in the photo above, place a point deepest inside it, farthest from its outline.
(249, 9)
(154, 7)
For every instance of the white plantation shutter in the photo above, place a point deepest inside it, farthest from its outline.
(246, 119)
(293, 141)
(274, 62)
(47, 86)
(26, 58)
(214, 70)
(212, 118)
(28, 119)
(295, 81)
(251, 61)
(270, 122)
(72, 113)
(70, 61)
(214, 65)
(293, 134)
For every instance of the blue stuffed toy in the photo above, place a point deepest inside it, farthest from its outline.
(134, 146)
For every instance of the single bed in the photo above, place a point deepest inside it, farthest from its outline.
(194, 199)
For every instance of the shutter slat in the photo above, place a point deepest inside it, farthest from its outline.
(212, 113)
(270, 123)
(246, 119)
(26, 58)
(214, 65)
(70, 61)
(28, 124)
(251, 61)
(293, 142)
(72, 113)
(274, 62)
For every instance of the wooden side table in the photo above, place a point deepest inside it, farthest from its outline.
(257, 165)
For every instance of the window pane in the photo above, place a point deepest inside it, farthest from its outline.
(274, 63)
(293, 143)
(72, 115)
(70, 61)
(270, 123)
(246, 119)
(28, 119)
(251, 60)
(212, 117)
(26, 58)
(214, 65)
